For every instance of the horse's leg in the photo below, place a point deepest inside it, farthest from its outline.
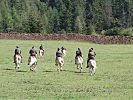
(29, 60)
(60, 68)
(31, 68)
(34, 67)
(94, 70)
(77, 66)
(15, 65)
(18, 66)
(90, 70)
(61, 65)
(80, 67)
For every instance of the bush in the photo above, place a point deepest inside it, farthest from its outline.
(127, 32)
(61, 32)
(113, 31)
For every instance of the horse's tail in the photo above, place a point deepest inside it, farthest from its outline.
(79, 59)
(60, 60)
(18, 59)
(33, 60)
(93, 63)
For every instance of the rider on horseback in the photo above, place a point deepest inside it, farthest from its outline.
(58, 54)
(17, 52)
(62, 48)
(91, 55)
(32, 52)
(41, 47)
(78, 53)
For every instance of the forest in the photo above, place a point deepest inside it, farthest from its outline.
(90, 17)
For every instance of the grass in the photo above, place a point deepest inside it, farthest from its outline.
(113, 79)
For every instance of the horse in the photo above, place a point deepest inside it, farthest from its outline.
(63, 52)
(17, 61)
(59, 63)
(92, 66)
(32, 62)
(79, 62)
(41, 52)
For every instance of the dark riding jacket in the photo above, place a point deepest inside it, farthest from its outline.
(32, 52)
(17, 51)
(58, 54)
(41, 47)
(78, 53)
(91, 55)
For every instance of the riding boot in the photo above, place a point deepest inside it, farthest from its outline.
(75, 59)
(29, 60)
(87, 63)
(14, 59)
(21, 58)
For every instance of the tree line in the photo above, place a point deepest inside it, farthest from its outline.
(91, 17)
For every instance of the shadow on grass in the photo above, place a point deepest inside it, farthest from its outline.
(8, 69)
(74, 71)
(21, 71)
(48, 71)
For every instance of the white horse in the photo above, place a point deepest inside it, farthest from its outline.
(63, 52)
(92, 66)
(79, 62)
(59, 62)
(41, 52)
(17, 61)
(32, 63)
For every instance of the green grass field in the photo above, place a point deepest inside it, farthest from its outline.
(113, 79)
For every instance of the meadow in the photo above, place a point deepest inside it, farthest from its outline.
(113, 79)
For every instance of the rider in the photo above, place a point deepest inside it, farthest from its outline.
(41, 47)
(91, 55)
(78, 53)
(17, 52)
(32, 52)
(58, 54)
(62, 48)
